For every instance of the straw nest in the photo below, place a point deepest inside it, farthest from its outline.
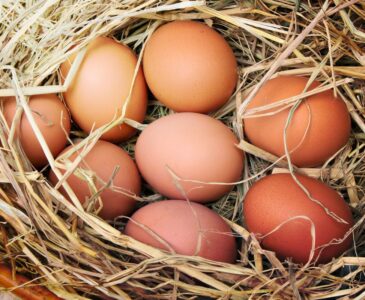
(79, 256)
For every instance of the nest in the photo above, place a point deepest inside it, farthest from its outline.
(79, 256)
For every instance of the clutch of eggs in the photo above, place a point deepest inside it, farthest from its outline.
(190, 68)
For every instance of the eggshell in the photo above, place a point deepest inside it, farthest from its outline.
(181, 225)
(52, 119)
(101, 87)
(275, 199)
(190, 67)
(322, 120)
(103, 159)
(193, 147)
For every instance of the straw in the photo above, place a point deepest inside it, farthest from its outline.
(64, 246)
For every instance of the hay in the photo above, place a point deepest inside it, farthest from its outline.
(77, 255)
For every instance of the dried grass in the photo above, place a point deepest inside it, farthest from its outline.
(77, 255)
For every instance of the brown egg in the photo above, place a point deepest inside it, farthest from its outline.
(189, 67)
(278, 200)
(325, 116)
(103, 159)
(53, 120)
(193, 147)
(101, 87)
(180, 225)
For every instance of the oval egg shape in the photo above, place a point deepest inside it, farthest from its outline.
(279, 212)
(319, 127)
(101, 88)
(52, 119)
(189, 146)
(183, 227)
(189, 67)
(102, 160)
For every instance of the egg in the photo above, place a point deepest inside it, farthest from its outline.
(106, 160)
(320, 126)
(184, 227)
(175, 149)
(101, 88)
(279, 212)
(189, 67)
(52, 119)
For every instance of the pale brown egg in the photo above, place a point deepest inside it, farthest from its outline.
(102, 160)
(279, 212)
(52, 118)
(183, 227)
(101, 88)
(319, 127)
(189, 146)
(190, 67)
